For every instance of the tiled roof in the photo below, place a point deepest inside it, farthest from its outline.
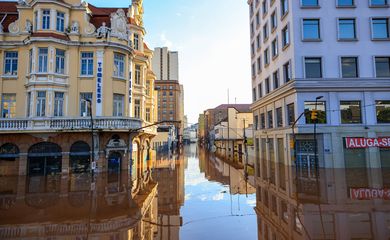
(8, 8)
(239, 107)
(100, 15)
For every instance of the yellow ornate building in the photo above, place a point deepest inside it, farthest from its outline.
(58, 58)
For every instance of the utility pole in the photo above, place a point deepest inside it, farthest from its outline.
(228, 138)
(245, 152)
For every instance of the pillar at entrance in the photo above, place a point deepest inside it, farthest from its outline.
(65, 164)
(23, 165)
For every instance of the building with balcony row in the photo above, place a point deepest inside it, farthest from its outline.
(60, 62)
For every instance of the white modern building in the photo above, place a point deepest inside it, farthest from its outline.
(166, 64)
(333, 55)
(335, 49)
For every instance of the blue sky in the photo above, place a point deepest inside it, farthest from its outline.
(212, 37)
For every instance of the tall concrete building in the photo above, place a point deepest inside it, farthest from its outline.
(329, 58)
(165, 64)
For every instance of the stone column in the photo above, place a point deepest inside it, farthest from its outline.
(22, 165)
(65, 164)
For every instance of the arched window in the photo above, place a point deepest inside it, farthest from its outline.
(9, 152)
(44, 158)
(79, 157)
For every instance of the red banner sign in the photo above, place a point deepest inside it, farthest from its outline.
(382, 142)
(369, 193)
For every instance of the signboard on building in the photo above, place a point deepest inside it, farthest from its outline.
(382, 142)
(99, 83)
(369, 193)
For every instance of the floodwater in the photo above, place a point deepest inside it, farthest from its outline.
(189, 195)
(195, 194)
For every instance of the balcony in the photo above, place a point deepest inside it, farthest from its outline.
(68, 124)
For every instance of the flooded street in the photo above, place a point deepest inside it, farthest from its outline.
(191, 195)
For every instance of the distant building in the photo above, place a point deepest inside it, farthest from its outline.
(201, 129)
(170, 92)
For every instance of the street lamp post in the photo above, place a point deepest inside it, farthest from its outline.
(315, 134)
(92, 138)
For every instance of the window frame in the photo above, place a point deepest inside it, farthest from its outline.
(387, 18)
(40, 110)
(60, 21)
(60, 61)
(275, 48)
(319, 39)
(58, 110)
(11, 105)
(375, 67)
(356, 64)
(13, 63)
(376, 111)
(341, 115)
(43, 59)
(310, 6)
(120, 65)
(386, 5)
(89, 61)
(346, 6)
(321, 65)
(47, 21)
(286, 32)
(355, 38)
(118, 108)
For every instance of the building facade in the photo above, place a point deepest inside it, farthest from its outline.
(330, 58)
(166, 64)
(59, 60)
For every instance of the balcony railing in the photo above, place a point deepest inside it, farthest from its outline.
(56, 124)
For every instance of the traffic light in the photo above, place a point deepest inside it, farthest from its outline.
(314, 114)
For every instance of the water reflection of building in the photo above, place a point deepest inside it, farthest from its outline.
(339, 204)
(48, 207)
(169, 173)
(225, 172)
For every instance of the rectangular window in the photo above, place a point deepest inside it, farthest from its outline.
(309, 3)
(11, 63)
(379, 3)
(29, 100)
(382, 66)
(275, 48)
(118, 107)
(274, 20)
(266, 57)
(267, 86)
(259, 64)
(311, 29)
(279, 117)
(257, 19)
(260, 90)
(46, 19)
(290, 114)
(350, 112)
(258, 41)
(345, 3)
(285, 37)
(136, 41)
(251, 9)
(262, 120)
(252, 29)
(275, 76)
(42, 60)
(30, 60)
(41, 103)
(313, 67)
(253, 48)
(60, 22)
(147, 117)
(284, 6)
(256, 122)
(254, 94)
(287, 72)
(60, 61)
(137, 74)
(380, 28)
(383, 111)
(347, 29)
(321, 109)
(264, 6)
(58, 104)
(137, 108)
(119, 65)
(8, 105)
(84, 105)
(265, 32)
(87, 63)
(253, 70)
(349, 67)
(270, 119)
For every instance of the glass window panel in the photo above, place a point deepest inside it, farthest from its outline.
(311, 29)
(345, 3)
(380, 28)
(8, 107)
(382, 66)
(350, 112)
(379, 2)
(321, 109)
(349, 67)
(383, 111)
(347, 29)
(313, 68)
(309, 3)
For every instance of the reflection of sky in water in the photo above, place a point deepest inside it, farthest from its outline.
(210, 212)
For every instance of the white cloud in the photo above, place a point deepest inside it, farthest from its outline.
(218, 197)
(166, 42)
